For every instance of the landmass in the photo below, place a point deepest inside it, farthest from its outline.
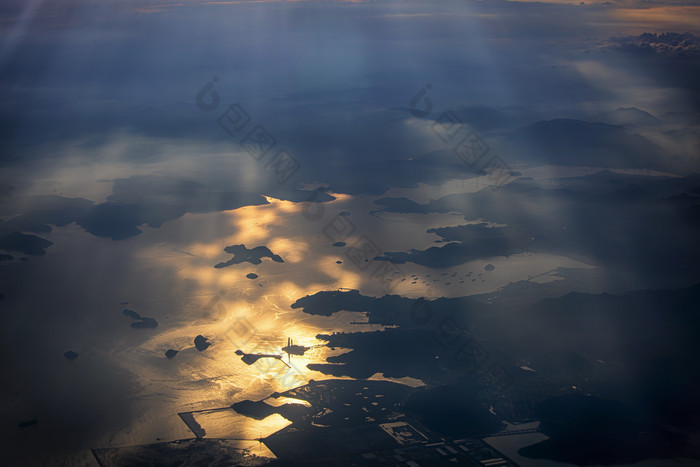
(294, 349)
(141, 322)
(351, 422)
(254, 256)
(250, 358)
(28, 423)
(201, 343)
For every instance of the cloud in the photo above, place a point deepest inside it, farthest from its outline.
(135, 201)
(153, 200)
(666, 43)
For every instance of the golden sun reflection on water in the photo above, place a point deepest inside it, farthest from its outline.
(228, 424)
(255, 315)
(279, 401)
(253, 223)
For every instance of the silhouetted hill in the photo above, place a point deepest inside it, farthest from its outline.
(576, 142)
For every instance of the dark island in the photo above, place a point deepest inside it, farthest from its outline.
(250, 358)
(293, 349)
(141, 322)
(27, 423)
(201, 343)
(145, 323)
(254, 256)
